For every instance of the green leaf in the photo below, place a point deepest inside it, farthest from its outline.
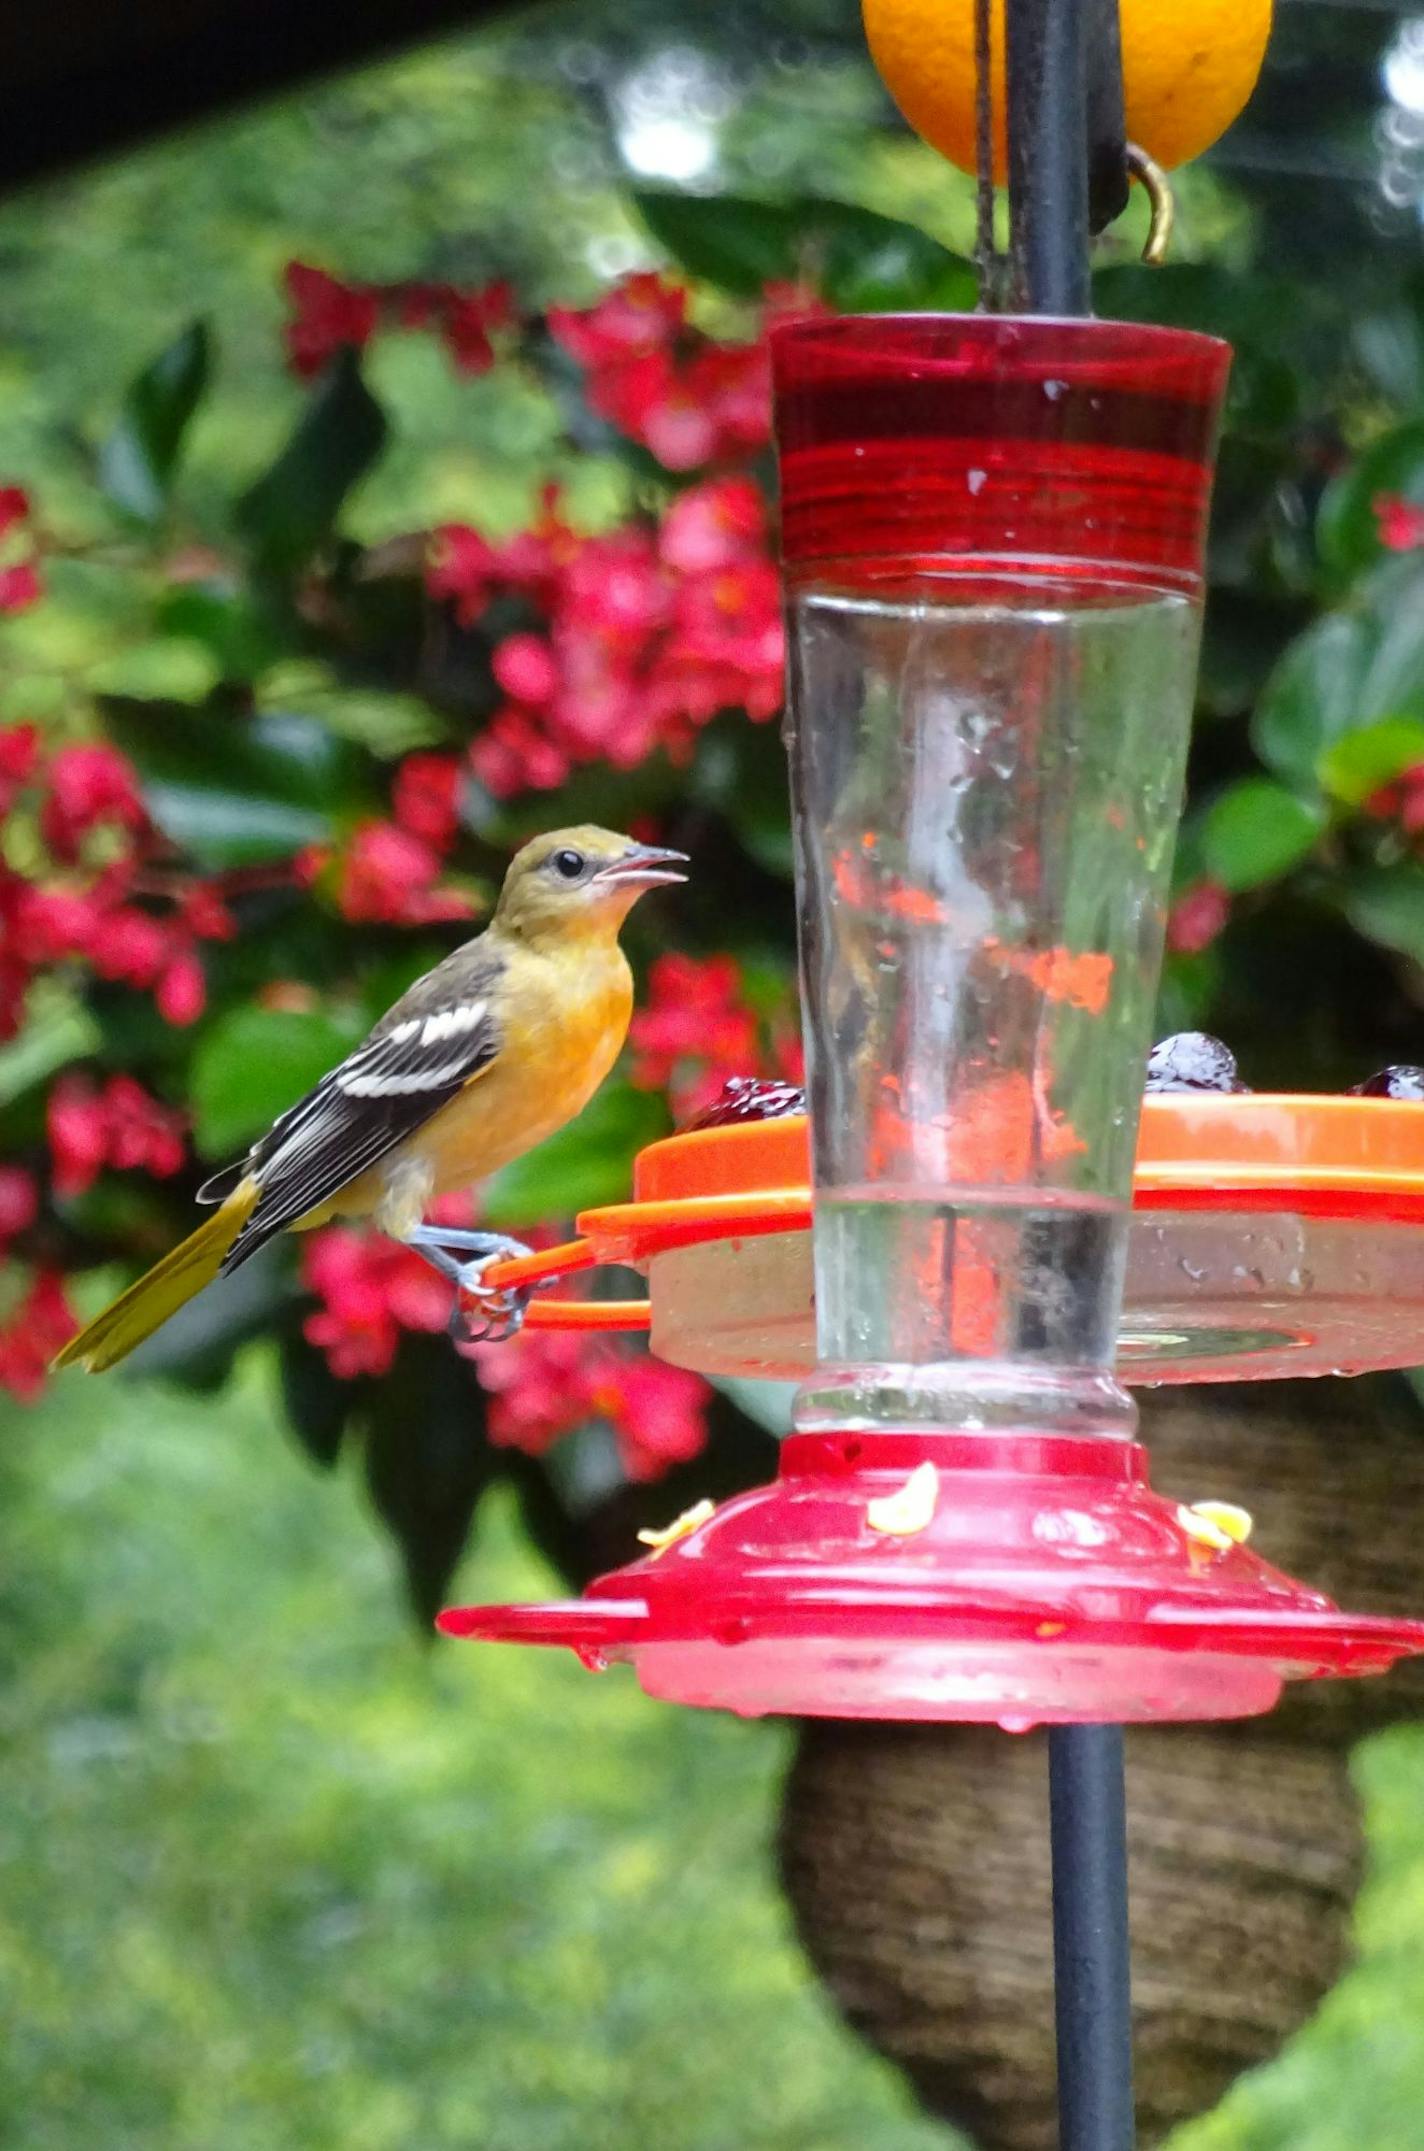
(860, 259)
(234, 791)
(1347, 529)
(222, 622)
(1386, 904)
(728, 240)
(57, 1029)
(319, 1407)
(1363, 761)
(290, 510)
(427, 1462)
(1312, 698)
(1256, 832)
(873, 264)
(587, 1163)
(138, 461)
(255, 1062)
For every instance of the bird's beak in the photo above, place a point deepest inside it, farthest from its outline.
(643, 866)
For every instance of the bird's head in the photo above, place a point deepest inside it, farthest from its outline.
(582, 881)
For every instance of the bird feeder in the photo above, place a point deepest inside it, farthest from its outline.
(993, 534)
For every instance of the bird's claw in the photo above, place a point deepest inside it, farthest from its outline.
(498, 1311)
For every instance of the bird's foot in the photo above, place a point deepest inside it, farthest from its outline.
(482, 1314)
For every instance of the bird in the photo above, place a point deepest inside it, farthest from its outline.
(485, 1056)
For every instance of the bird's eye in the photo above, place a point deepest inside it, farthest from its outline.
(569, 864)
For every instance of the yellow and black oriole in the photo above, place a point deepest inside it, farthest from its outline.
(481, 1059)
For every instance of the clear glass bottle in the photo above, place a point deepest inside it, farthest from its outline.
(993, 534)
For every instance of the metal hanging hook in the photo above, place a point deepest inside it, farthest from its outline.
(1156, 186)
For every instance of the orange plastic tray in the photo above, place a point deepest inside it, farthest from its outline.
(1328, 1157)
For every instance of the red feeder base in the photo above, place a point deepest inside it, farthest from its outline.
(1016, 1580)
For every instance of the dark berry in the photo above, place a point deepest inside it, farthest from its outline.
(1190, 1060)
(749, 1098)
(1399, 1081)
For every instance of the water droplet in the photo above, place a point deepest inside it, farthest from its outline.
(976, 481)
(1054, 389)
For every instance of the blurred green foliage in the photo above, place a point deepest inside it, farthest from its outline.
(275, 1876)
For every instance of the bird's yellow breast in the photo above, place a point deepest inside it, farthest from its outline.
(562, 1020)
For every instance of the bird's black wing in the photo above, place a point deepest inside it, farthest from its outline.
(440, 1035)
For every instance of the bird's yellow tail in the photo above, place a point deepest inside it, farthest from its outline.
(161, 1291)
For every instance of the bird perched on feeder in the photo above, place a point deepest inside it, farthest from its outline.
(478, 1061)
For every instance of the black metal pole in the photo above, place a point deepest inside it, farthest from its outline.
(1093, 1990)
(1047, 64)
(1055, 50)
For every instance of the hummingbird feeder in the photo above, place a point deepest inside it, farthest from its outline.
(993, 532)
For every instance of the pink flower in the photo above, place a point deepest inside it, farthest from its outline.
(1197, 917)
(328, 316)
(1400, 522)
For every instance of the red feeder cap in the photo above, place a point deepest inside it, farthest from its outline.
(959, 1577)
(1069, 448)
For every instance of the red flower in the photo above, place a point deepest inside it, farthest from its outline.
(14, 507)
(514, 754)
(426, 798)
(41, 1322)
(47, 925)
(120, 1125)
(1197, 917)
(526, 668)
(78, 1131)
(1400, 522)
(468, 321)
(463, 568)
(684, 398)
(695, 1030)
(641, 313)
(328, 316)
(547, 1383)
(371, 1288)
(19, 758)
(20, 587)
(89, 786)
(389, 875)
(19, 1201)
(129, 946)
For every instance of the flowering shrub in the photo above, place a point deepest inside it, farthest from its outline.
(204, 900)
(220, 864)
